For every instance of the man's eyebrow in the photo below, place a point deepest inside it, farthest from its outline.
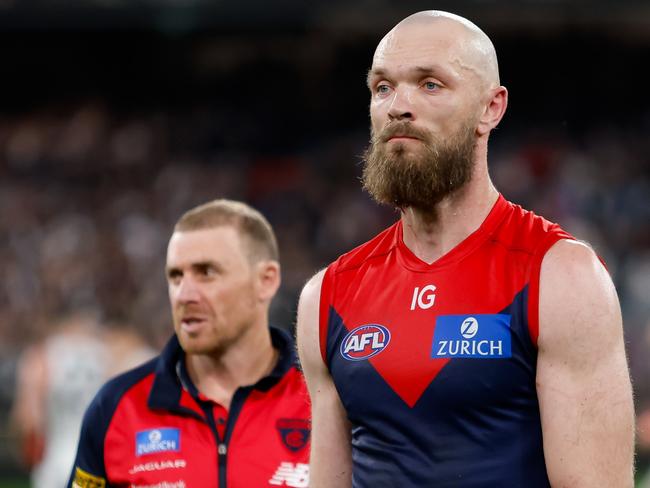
(374, 72)
(195, 266)
(205, 264)
(419, 70)
(426, 69)
(172, 270)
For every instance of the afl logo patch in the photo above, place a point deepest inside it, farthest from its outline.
(365, 342)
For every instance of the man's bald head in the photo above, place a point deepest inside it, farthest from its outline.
(473, 50)
(435, 96)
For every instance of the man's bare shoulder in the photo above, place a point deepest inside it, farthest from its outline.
(307, 325)
(308, 306)
(572, 255)
(311, 291)
(577, 296)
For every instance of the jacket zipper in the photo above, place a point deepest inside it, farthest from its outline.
(236, 405)
(222, 456)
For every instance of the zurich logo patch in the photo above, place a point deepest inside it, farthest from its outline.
(485, 336)
(365, 342)
(157, 440)
(469, 327)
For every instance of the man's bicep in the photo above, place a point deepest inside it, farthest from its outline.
(331, 459)
(307, 329)
(582, 377)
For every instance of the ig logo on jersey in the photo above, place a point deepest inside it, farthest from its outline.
(424, 298)
(365, 342)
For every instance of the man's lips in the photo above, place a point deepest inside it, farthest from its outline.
(192, 322)
(401, 135)
(192, 319)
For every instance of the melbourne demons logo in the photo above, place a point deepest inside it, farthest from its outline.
(294, 432)
(365, 342)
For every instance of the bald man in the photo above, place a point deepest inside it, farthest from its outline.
(472, 343)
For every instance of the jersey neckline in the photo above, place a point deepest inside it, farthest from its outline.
(410, 261)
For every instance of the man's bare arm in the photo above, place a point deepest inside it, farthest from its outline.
(583, 381)
(331, 458)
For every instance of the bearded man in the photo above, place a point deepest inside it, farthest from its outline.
(472, 343)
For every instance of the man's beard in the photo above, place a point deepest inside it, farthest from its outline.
(421, 179)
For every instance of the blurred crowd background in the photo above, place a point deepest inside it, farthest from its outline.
(116, 117)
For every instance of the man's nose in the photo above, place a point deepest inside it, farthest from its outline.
(187, 291)
(401, 107)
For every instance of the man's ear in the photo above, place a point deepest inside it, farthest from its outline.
(268, 279)
(494, 110)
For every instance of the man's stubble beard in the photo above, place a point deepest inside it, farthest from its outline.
(421, 178)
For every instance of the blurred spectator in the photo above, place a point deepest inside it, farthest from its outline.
(57, 378)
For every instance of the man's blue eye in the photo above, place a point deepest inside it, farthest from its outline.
(430, 85)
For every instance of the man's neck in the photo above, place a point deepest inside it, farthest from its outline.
(244, 363)
(431, 236)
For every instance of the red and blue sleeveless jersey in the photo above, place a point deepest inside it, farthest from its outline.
(150, 427)
(435, 363)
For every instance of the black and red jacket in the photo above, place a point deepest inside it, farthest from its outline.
(151, 428)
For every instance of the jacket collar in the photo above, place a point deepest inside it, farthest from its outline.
(171, 376)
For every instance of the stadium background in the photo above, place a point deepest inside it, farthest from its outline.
(116, 116)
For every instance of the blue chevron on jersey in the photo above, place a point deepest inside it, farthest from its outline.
(482, 336)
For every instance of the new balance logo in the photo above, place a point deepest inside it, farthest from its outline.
(290, 474)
